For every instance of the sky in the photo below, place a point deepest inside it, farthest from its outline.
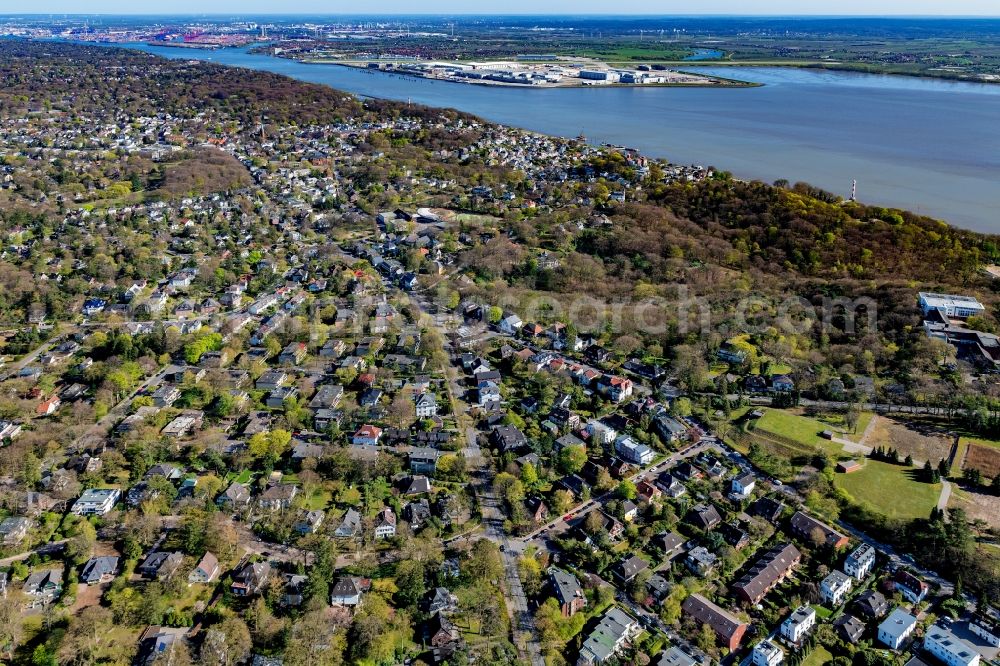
(738, 7)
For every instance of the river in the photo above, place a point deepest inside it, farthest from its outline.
(931, 146)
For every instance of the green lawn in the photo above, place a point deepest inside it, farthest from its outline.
(800, 429)
(890, 489)
(818, 657)
(822, 612)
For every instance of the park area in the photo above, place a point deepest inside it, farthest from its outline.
(895, 491)
(802, 433)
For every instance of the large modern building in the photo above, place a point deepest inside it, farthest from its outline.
(609, 636)
(96, 501)
(950, 305)
(949, 648)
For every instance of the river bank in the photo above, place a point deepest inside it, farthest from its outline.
(925, 145)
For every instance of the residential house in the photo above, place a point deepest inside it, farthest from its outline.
(911, 587)
(568, 591)
(251, 579)
(385, 524)
(772, 568)
(236, 496)
(278, 497)
(834, 588)
(807, 527)
(671, 485)
(43, 586)
(743, 485)
(700, 560)
(860, 562)
(871, 604)
(310, 522)
(347, 591)
(670, 543)
(14, 530)
(442, 601)
(423, 460)
(99, 570)
(728, 629)
(704, 516)
(629, 568)
(537, 510)
(426, 405)
(350, 525)
(206, 569)
(631, 451)
(367, 435)
(161, 564)
(798, 625)
(896, 628)
(849, 628)
(441, 632)
(96, 501)
(612, 633)
(766, 653)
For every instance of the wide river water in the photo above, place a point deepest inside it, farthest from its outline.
(921, 144)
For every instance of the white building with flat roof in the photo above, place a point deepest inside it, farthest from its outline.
(949, 648)
(835, 587)
(767, 653)
(861, 562)
(896, 628)
(798, 625)
(96, 501)
(950, 305)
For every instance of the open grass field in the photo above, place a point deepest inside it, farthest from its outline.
(892, 490)
(800, 429)
(984, 456)
(924, 442)
(983, 506)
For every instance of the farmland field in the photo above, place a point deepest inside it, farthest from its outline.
(984, 456)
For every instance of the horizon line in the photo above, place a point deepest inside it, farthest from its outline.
(512, 14)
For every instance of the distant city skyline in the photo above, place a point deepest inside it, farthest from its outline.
(625, 7)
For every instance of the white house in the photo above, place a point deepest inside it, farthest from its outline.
(949, 648)
(385, 524)
(835, 587)
(797, 625)
(950, 305)
(986, 625)
(861, 562)
(96, 501)
(743, 485)
(511, 324)
(767, 653)
(601, 434)
(631, 451)
(896, 628)
(426, 405)
(347, 591)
